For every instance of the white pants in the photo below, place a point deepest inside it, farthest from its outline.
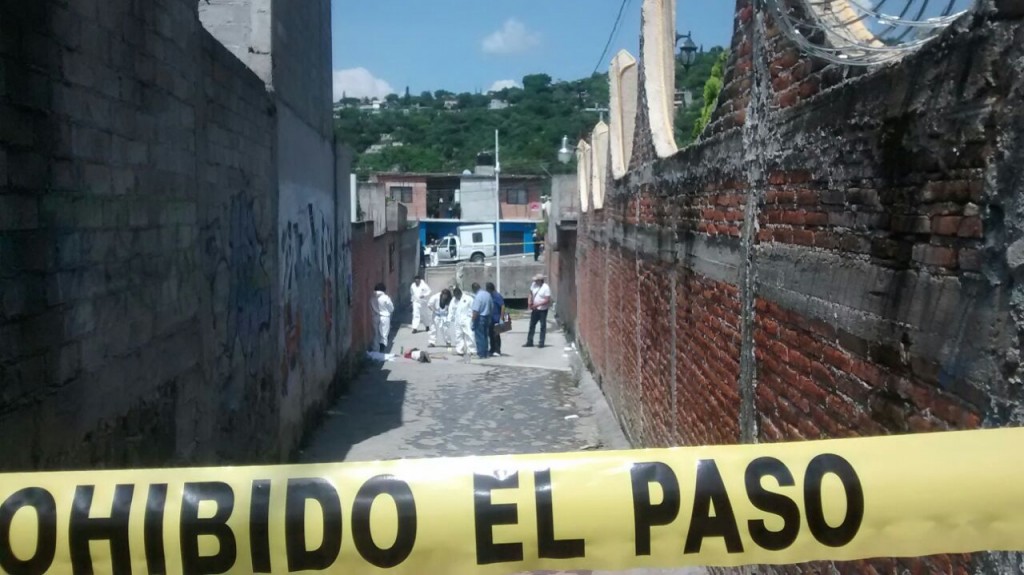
(465, 341)
(440, 331)
(417, 313)
(433, 259)
(383, 330)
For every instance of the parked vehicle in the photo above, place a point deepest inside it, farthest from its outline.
(472, 242)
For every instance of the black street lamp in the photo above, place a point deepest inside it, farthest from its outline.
(688, 51)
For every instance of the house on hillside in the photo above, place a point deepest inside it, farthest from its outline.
(497, 104)
(386, 141)
(683, 98)
(373, 105)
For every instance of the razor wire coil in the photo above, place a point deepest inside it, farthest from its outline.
(865, 32)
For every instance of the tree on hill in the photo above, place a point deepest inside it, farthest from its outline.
(541, 112)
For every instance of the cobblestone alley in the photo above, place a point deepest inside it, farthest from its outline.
(530, 401)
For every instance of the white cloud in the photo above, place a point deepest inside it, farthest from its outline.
(359, 83)
(502, 84)
(511, 38)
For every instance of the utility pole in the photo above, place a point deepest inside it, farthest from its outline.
(600, 111)
(497, 214)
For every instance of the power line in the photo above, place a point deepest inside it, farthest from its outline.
(611, 36)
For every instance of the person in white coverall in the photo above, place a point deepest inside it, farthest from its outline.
(382, 307)
(462, 322)
(439, 304)
(419, 291)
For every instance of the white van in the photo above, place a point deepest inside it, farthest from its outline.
(473, 243)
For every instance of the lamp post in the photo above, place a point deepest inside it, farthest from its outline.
(497, 214)
(565, 153)
(688, 51)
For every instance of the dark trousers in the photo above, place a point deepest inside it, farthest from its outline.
(538, 316)
(495, 339)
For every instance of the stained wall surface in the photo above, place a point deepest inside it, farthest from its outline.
(839, 255)
(161, 213)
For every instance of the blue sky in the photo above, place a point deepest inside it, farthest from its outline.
(469, 45)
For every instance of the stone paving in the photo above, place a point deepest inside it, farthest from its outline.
(451, 407)
(529, 401)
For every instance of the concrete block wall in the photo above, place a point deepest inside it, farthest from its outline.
(302, 63)
(836, 257)
(287, 44)
(236, 257)
(288, 47)
(103, 342)
(243, 27)
(142, 272)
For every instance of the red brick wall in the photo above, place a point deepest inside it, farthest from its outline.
(836, 268)
(707, 352)
(655, 377)
(371, 264)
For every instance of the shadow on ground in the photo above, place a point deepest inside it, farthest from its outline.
(373, 406)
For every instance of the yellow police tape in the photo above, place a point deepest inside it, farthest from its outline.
(784, 503)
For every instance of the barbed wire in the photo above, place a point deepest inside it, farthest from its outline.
(865, 32)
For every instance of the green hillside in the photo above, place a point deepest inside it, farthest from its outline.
(443, 131)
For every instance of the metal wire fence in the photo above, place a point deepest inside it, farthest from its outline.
(865, 32)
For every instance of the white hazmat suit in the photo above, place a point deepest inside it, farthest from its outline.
(419, 291)
(382, 307)
(462, 324)
(440, 328)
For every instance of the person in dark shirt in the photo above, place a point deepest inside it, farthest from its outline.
(498, 314)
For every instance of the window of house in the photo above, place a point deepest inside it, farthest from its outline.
(402, 194)
(478, 238)
(516, 196)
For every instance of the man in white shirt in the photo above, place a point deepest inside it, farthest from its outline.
(540, 302)
(382, 308)
(419, 293)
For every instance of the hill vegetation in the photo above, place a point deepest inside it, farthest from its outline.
(443, 132)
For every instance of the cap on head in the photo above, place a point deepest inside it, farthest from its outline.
(538, 278)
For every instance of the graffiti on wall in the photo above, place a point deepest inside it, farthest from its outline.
(307, 294)
(242, 265)
(249, 286)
